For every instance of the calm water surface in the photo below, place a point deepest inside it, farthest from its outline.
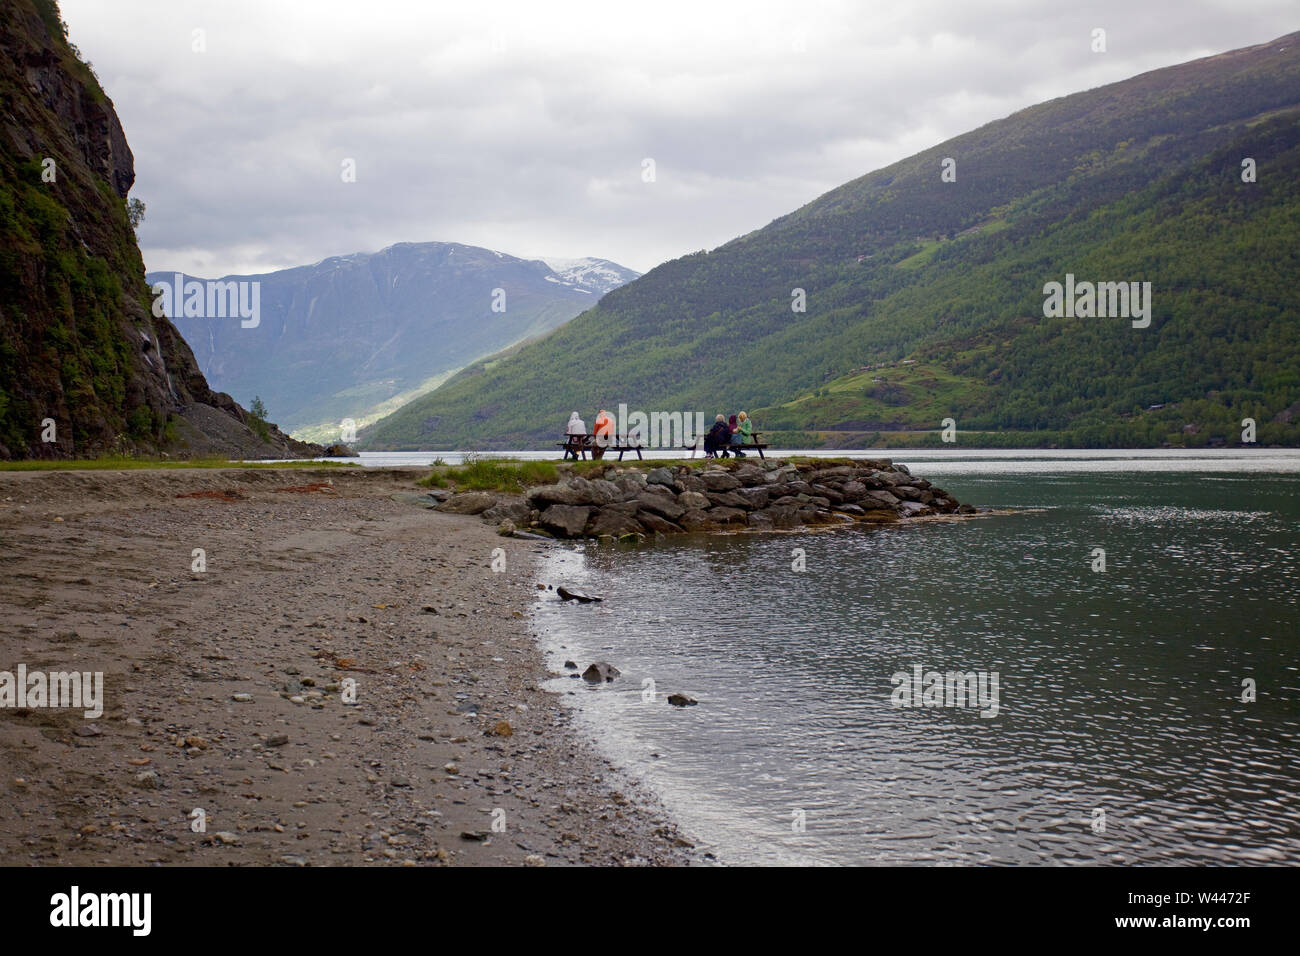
(1120, 691)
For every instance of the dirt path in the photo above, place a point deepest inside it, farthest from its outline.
(303, 590)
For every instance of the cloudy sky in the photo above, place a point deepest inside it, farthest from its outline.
(525, 127)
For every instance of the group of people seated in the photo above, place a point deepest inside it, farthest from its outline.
(724, 439)
(602, 434)
(727, 436)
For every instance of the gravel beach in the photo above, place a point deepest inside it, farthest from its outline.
(226, 689)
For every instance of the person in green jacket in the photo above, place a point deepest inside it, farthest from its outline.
(743, 435)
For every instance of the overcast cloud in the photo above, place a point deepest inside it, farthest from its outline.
(522, 126)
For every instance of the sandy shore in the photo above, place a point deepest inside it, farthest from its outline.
(305, 587)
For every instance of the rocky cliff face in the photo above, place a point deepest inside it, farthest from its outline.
(85, 367)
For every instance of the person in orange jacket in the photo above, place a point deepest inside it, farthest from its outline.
(603, 432)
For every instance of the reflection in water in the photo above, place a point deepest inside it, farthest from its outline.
(1121, 736)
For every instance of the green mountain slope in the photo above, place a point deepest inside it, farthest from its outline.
(1137, 181)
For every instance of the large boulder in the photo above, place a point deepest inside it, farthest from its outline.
(615, 523)
(631, 484)
(783, 516)
(884, 497)
(853, 490)
(907, 492)
(759, 521)
(604, 492)
(658, 524)
(558, 494)
(727, 499)
(696, 520)
(582, 487)
(724, 515)
(660, 476)
(911, 509)
(664, 504)
(750, 475)
(719, 481)
(693, 500)
(508, 509)
(568, 520)
(468, 503)
(829, 493)
(755, 498)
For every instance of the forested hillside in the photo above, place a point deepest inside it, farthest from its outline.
(942, 284)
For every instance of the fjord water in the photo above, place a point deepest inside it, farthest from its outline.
(1120, 691)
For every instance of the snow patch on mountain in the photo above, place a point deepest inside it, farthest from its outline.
(593, 276)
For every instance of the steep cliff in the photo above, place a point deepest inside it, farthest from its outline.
(85, 367)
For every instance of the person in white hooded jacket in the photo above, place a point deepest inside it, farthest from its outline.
(576, 426)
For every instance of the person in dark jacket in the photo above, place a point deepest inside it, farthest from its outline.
(718, 438)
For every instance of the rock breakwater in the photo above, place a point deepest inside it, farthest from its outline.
(630, 502)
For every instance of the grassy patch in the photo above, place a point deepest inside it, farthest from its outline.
(492, 474)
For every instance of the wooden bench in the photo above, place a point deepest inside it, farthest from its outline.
(755, 445)
(578, 446)
(575, 446)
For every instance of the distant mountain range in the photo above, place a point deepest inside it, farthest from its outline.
(355, 336)
(917, 293)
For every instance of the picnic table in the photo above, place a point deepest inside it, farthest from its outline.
(579, 446)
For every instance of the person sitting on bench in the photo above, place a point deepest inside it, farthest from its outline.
(602, 433)
(742, 434)
(716, 441)
(733, 439)
(575, 438)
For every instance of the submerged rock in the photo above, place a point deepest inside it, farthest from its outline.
(600, 672)
(681, 700)
(567, 595)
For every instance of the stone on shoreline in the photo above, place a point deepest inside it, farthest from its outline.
(569, 520)
(468, 503)
(600, 672)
